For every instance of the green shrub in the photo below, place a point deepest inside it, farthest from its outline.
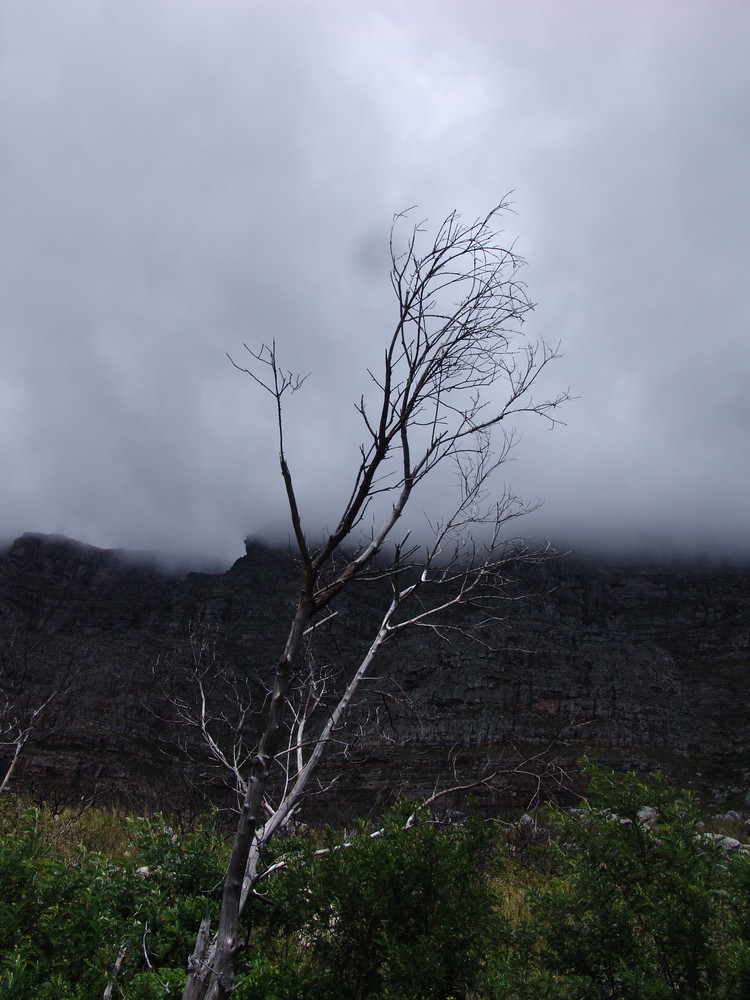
(406, 913)
(641, 909)
(618, 907)
(67, 910)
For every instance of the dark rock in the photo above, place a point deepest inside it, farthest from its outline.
(645, 668)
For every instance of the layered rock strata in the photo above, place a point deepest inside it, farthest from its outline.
(646, 666)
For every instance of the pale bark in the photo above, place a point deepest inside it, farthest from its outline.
(459, 304)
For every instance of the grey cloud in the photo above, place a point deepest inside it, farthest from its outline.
(179, 180)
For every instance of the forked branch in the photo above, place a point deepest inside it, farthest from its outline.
(456, 368)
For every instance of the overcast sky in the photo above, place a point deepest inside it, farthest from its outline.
(178, 177)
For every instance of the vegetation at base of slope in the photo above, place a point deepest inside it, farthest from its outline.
(626, 897)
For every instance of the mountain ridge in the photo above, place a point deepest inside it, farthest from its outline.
(641, 666)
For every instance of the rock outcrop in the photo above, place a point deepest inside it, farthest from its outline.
(647, 666)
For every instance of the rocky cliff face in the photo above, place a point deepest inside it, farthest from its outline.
(646, 666)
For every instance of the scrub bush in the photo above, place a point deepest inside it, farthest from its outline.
(406, 912)
(67, 911)
(643, 906)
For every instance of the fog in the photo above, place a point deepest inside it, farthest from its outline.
(180, 178)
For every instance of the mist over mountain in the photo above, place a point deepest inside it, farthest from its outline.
(180, 180)
(639, 666)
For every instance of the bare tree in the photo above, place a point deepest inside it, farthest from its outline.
(24, 704)
(456, 369)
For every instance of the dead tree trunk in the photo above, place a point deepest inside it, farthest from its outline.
(456, 336)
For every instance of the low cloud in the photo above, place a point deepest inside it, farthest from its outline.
(180, 181)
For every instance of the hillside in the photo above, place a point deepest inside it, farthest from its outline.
(646, 666)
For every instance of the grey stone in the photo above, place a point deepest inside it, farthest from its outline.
(645, 667)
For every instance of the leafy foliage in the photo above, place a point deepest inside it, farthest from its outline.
(621, 902)
(69, 912)
(402, 911)
(644, 905)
